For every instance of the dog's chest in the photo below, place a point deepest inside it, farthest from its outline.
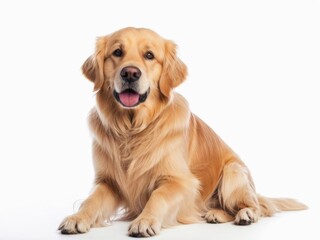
(129, 147)
(132, 161)
(136, 154)
(126, 154)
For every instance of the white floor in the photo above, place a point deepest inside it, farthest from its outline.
(41, 223)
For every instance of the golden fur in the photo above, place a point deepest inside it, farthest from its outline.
(157, 160)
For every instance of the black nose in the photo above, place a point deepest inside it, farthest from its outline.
(130, 74)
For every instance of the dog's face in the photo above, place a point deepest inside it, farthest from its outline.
(132, 64)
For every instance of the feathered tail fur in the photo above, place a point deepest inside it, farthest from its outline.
(269, 206)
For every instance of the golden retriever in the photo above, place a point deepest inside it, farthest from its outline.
(152, 157)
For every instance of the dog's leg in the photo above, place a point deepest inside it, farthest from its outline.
(216, 214)
(93, 211)
(237, 193)
(166, 200)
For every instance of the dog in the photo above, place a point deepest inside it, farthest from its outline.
(152, 156)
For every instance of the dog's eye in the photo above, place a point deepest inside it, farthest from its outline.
(149, 55)
(118, 52)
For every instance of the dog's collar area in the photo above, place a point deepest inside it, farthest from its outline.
(130, 98)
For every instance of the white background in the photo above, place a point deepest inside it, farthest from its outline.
(254, 72)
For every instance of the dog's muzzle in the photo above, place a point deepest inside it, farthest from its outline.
(130, 98)
(129, 95)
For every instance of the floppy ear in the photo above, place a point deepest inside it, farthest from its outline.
(92, 68)
(174, 71)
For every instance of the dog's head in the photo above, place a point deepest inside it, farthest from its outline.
(133, 64)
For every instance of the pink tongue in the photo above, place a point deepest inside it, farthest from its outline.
(129, 99)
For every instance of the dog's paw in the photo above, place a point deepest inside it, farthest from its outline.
(74, 224)
(218, 216)
(246, 216)
(144, 227)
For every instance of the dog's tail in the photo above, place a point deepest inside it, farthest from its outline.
(269, 206)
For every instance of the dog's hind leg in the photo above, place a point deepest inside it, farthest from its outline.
(237, 193)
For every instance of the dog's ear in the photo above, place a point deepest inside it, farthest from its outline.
(92, 68)
(174, 71)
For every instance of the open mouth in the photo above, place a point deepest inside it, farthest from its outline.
(130, 98)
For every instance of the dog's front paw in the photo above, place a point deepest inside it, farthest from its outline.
(75, 224)
(144, 227)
